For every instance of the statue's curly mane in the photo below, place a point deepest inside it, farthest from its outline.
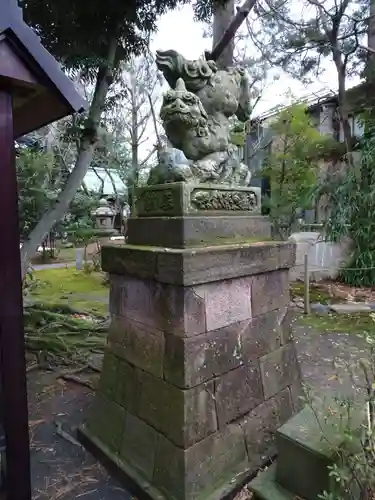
(174, 66)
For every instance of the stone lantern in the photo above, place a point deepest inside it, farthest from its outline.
(104, 216)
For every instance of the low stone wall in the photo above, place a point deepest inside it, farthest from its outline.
(325, 258)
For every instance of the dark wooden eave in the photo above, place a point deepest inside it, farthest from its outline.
(62, 97)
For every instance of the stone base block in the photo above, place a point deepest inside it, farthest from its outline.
(200, 368)
(183, 232)
(180, 198)
(192, 266)
(212, 470)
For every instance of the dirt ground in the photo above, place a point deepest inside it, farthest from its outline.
(61, 469)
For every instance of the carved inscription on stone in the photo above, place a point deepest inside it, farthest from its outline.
(239, 201)
(156, 201)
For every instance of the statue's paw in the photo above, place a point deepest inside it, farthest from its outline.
(162, 174)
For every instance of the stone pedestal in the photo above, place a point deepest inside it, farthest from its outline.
(200, 367)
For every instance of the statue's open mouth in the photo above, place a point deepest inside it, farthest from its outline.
(178, 116)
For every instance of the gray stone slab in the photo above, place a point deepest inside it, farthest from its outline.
(350, 307)
(181, 198)
(198, 265)
(184, 232)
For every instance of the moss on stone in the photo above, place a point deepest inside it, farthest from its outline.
(229, 241)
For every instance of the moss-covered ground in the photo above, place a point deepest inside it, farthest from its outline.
(84, 292)
(362, 323)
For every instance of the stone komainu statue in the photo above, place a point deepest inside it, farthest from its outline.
(195, 114)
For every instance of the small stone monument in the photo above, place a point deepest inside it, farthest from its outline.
(200, 367)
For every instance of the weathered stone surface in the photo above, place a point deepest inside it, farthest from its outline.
(167, 199)
(139, 445)
(261, 424)
(279, 369)
(137, 344)
(285, 323)
(189, 362)
(217, 462)
(203, 265)
(297, 395)
(107, 422)
(179, 198)
(238, 392)
(126, 388)
(133, 298)
(181, 311)
(226, 302)
(199, 265)
(184, 232)
(350, 308)
(169, 308)
(270, 291)
(108, 378)
(134, 260)
(184, 416)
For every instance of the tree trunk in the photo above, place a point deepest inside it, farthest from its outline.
(84, 158)
(134, 132)
(222, 19)
(343, 101)
(101, 180)
(228, 31)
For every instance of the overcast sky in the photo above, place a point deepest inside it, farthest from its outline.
(177, 30)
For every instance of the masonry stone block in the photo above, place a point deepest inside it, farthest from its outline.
(193, 266)
(238, 392)
(107, 422)
(183, 416)
(126, 387)
(226, 302)
(270, 291)
(138, 445)
(279, 369)
(260, 426)
(170, 308)
(108, 380)
(211, 465)
(191, 361)
(185, 232)
(138, 344)
(182, 310)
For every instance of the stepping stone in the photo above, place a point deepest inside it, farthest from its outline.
(349, 308)
(319, 308)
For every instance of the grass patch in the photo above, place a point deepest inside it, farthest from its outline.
(84, 292)
(65, 319)
(317, 294)
(357, 323)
